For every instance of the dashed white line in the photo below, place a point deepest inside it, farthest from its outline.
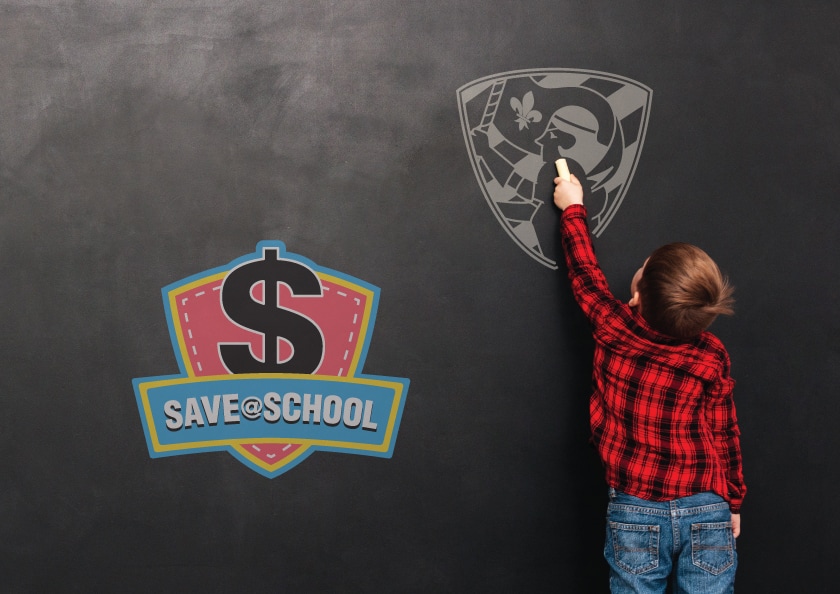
(184, 302)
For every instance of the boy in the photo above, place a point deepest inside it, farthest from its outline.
(662, 415)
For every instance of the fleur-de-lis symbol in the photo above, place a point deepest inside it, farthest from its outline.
(525, 112)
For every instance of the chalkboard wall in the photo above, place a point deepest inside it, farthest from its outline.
(144, 142)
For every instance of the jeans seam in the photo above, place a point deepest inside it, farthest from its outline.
(675, 528)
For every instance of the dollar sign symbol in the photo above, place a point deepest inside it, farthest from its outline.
(269, 319)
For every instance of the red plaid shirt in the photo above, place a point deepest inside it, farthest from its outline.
(662, 414)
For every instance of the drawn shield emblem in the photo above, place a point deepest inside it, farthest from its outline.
(517, 124)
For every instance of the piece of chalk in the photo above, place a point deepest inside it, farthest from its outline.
(563, 169)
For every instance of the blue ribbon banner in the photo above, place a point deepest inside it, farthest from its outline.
(357, 414)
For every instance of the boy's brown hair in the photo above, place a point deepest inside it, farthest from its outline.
(682, 291)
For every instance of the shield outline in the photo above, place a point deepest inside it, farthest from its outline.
(486, 81)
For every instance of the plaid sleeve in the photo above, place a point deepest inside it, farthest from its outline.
(722, 420)
(588, 281)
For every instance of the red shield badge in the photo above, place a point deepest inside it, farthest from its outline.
(271, 349)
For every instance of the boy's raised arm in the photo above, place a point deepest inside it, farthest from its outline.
(589, 285)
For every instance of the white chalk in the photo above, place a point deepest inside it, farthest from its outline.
(563, 169)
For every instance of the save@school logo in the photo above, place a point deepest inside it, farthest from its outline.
(270, 350)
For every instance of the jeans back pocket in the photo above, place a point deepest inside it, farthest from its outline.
(635, 546)
(712, 547)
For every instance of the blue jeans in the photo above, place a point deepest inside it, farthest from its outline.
(688, 540)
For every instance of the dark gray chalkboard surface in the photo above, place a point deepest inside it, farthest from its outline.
(145, 142)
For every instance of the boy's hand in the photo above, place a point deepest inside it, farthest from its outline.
(567, 192)
(736, 525)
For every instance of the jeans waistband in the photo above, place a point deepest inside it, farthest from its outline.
(691, 504)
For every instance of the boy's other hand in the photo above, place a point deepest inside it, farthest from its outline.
(736, 525)
(567, 193)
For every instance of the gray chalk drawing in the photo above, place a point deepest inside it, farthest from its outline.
(517, 124)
